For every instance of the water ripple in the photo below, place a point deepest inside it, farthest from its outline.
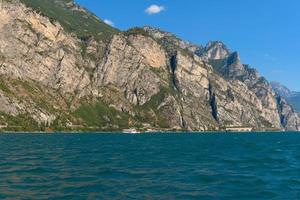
(166, 166)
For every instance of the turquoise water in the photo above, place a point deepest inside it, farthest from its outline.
(170, 166)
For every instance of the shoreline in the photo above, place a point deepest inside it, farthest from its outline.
(143, 133)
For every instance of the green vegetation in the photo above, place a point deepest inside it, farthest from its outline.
(100, 115)
(137, 31)
(265, 123)
(158, 98)
(22, 122)
(4, 87)
(60, 123)
(33, 91)
(2, 57)
(146, 111)
(73, 18)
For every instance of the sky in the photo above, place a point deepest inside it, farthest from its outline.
(266, 33)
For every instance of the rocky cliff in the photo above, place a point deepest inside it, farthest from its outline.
(54, 76)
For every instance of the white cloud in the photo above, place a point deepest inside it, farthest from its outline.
(109, 22)
(154, 9)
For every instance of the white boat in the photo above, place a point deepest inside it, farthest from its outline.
(131, 131)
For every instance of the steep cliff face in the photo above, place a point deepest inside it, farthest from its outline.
(239, 96)
(232, 68)
(36, 51)
(55, 78)
(129, 70)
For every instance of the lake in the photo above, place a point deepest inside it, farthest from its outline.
(150, 166)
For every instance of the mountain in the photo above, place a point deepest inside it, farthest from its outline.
(293, 98)
(281, 90)
(62, 68)
(73, 18)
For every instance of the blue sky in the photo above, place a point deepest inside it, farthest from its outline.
(265, 32)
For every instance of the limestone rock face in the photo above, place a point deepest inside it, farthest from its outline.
(215, 51)
(52, 78)
(9, 106)
(127, 68)
(150, 49)
(39, 50)
(192, 76)
(170, 40)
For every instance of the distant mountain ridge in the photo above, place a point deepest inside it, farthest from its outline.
(281, 89)
(294, 100)
(291, 96)
(62, 68)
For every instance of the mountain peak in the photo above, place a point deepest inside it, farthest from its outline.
(216, 50)
(211, 44)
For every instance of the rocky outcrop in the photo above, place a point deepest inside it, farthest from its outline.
(242, 96)
(39, 50)
(150, 49)
(128, 69)
(214, 50)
